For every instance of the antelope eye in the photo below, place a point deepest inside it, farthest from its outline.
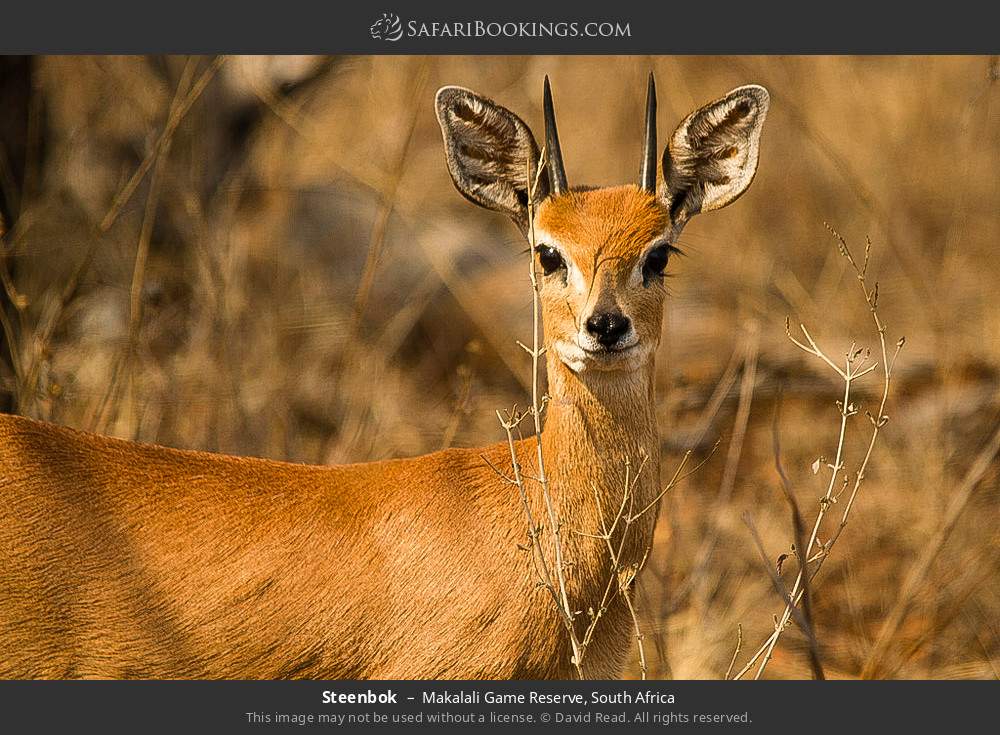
(656, 261)
(549, 258)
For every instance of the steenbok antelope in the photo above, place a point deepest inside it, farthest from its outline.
(120, 559)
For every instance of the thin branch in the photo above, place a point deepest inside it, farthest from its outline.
(122, 371)
(44, 337)
(798, 528)
(509, 422)
(736, 653)
(785, 595)
(678, 478)
(536, 411)
(849, 374)
(376, 241)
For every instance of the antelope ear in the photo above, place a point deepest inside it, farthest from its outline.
(492, 155)
(712, 156)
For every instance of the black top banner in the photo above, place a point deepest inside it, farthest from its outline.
(461, 27)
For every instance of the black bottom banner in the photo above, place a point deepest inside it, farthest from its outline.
(390, 706)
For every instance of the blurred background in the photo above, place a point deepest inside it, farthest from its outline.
(265, 256)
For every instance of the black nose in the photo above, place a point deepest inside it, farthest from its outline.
(608, 327)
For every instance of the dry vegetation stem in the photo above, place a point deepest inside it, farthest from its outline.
(853, 369)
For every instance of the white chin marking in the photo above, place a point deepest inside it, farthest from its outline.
(577, 359)
(572, 356)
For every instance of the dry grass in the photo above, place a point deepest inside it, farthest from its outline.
(311, 287)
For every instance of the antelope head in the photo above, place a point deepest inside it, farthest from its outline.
(602, 252)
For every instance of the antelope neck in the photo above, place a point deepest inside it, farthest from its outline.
(595, 422)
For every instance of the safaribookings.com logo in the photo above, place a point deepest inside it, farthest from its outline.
(390, 28)
(387, 28)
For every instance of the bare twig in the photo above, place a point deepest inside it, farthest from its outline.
(622, 577)
(43, 336)
(536, 414)
(786, 597)
(854, 368)
(554, 580)
(177, 115)
(736, 652)
(537, 404)
(10, 335)
(376, 242)
(798, 528)
(121, 374)
(509, 422)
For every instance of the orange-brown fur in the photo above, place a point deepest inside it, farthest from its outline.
(608, 231)
(120, 559)
(125, 560)
(611, 221)
(128, 560)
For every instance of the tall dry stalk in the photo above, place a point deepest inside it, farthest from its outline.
(622, 576)
(552, 577)
(556, 586)
(32, 343)
(854, 367)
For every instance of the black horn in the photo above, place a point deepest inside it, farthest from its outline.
(647, 174)
(553, 154)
